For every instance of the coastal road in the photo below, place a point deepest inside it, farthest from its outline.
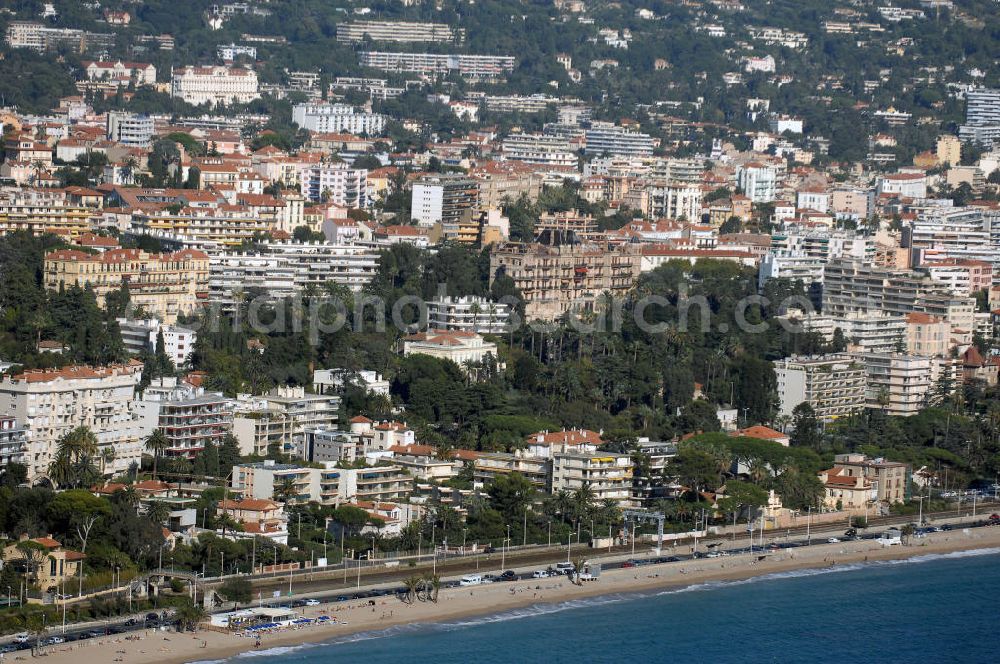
(377, 582)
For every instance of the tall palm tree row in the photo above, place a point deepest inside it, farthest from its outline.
(157, 443)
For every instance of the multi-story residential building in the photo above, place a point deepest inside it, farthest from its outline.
(435, 64)
(927, 335)
(540, 149)
(188, 416)
(13, 441)
(468, 314)
(328, 485)
(449, 200)
(982, 116)
(335, 183)
(608, 476)
(210, 225)
(229, 52)
(38, 37)
(674, 200)
(459, 346)
(897, 383)
(490, 465)
(326, 381)
(164, 284)
(52, 402)
(130, 129)
(905, 185)
(850, 285)
(214, 85)
(758, 181)
(794, 265)
(501, 181)
(338, 119)
(889, 480)
(398, 31)
(303, 411)
(606, 138)
(962, 277)
(560, 274)
(942, 232)
(852, 203)
(141, 336)
(31, 211)
(330, 445)
(834, 385)
(284, 269)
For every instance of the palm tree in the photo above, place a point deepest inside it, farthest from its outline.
(158, 512)
(156, 443)
(73, 464)
(128, 495)
(412, 585)
(107, 457)
(433, 585)
(285, 490)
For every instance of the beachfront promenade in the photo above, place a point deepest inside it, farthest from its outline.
(351, 616)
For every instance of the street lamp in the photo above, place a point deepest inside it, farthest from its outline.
(809, 526)
(920, 517)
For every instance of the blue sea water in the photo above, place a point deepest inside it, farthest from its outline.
(935, 608)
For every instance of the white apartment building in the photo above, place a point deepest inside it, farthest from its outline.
(338, 119)
(52, 402)
(189, 417)
(898, 383)
(907, 185)
(759, 182)
(813, 199)
(675, 201)
(540, 149)
(834, 385)
(229, 52)
(130, 129)
(457, 346)
(297, 410)
(608, 476)
(330, 380)
(468, 314)
(13, 441)
(435, 64)
(398, 31)
(328, 485)
(287, 268)
(215, 85)
(335, 183)
(140, 335)
(794, 265)
(448, 199)
(606, 138)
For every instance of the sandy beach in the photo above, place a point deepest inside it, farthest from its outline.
(162, 647)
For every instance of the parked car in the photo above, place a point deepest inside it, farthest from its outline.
(312, 602)
(508, 575)
(851, 532)
(470, 580)
(539, 574)
(833, 540)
